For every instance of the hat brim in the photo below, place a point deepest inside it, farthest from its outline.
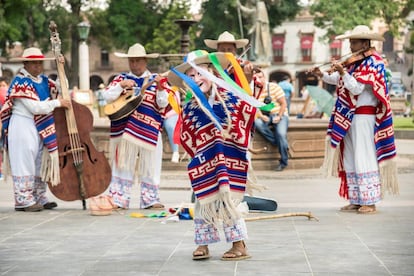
(213, 44)
(31, 59)
(175, 80)
(370, 36)
(122, 55)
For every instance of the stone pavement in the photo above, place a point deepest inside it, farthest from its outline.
(69, 241)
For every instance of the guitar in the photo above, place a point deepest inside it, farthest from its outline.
(124, 105)
(127, 102)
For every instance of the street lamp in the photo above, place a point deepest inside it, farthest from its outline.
(83, 30)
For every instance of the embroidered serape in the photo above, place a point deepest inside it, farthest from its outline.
(24, 87)
(138, 130)
(370, 71)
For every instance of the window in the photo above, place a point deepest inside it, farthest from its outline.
(104, 58)
(335, 48)
(278, 42)
(306, 42)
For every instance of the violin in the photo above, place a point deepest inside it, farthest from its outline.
(355, 57)
(360, 55)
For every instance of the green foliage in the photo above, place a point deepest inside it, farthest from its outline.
(280, 11)
(403, 123)
(339, 16)
(168, 34)
(20, 21)
(28, 22)
(133, 21)
(222, 15)
(101, 29)
(218, 16)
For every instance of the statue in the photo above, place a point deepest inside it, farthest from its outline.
(259, 31)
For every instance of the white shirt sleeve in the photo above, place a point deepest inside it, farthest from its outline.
(332, 78)
(31, 107)
(352, 84)
(162, 98)
(112, 93)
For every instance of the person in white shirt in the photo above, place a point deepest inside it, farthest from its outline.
(30, 132)
(136, 143)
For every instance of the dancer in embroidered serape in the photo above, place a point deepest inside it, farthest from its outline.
(360, 143)
(215, 132)
(30, 152)
(227, 43)
(135, 143)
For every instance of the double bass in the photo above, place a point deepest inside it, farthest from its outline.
(84, 172)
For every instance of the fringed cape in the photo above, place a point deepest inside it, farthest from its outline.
(370, 71)
(25, 87)
(137, 134)
(218, 169)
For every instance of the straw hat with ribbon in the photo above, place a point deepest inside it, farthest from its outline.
(136, 50)
(226, 37)
(32, 54)
(361, 32)
(197, 57)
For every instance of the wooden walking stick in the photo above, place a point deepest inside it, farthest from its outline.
(304, 214)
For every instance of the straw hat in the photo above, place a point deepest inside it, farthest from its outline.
(198, 57)
(32, 54)
(136, 50)
(226, 37)
(361, 32)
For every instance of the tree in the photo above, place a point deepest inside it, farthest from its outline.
(226, 12)
(133, 21)
(21, 21)
(335, 16)
(167, 35)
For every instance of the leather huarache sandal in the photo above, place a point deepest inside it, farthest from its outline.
(201, 253)
(236, 253)
(350, 208)
(367, 209)
(156, 206)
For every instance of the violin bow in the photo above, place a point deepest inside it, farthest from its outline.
(241, 55)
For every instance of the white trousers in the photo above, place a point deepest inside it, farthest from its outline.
(25, 149)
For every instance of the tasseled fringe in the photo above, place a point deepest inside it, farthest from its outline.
(113, 144)
(331, 159)
(389, 179)
(129, 152)
(49, 170)
(223, 208)
(145, 165)
(252, 182)
(5, 170)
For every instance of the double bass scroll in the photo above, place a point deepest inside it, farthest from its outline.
(84, 172)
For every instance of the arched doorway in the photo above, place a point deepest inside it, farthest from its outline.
(278, 76)
(8, 74)
(95, 81)
(53, 76)
(388, 45)
(304, 78)
(111, 78)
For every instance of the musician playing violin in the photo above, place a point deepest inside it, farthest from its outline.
(227, 43)
(360, 145)
(135, 142)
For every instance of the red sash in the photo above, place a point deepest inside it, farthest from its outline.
(366, 109)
